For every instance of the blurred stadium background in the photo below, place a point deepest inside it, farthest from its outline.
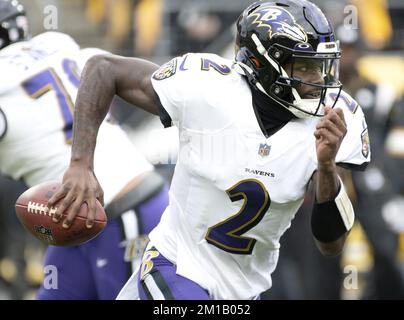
(372, 69)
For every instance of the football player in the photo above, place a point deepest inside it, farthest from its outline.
(38, 85)
(254, 133)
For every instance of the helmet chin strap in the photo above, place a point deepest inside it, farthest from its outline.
(245, 68)
(308, 105)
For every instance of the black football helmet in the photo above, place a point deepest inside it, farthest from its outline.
(13, 23)
(271, 34)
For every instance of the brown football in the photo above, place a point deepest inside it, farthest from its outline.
(33, 213)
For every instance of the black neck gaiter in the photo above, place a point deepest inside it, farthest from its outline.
(270, 116)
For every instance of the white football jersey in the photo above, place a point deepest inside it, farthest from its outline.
(234, 191)
(39, 81)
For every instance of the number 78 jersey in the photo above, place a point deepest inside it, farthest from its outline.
(39, 82)
(235, 191)
(38, 86)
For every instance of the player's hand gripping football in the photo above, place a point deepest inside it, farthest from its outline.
(79, 185)
(330, 132)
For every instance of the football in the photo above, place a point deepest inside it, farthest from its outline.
(33, 213)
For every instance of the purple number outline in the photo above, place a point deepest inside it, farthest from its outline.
(227, 235)
(47, 80)
(351, 105)
(207, 64)
(72, 71)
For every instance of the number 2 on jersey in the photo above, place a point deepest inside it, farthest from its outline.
(48, 80)
(227, 235)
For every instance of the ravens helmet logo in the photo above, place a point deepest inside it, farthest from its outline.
(279, 22)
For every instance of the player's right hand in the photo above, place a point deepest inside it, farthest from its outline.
(79, 185)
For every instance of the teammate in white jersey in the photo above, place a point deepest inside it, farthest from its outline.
(38, 84)
(253, 133)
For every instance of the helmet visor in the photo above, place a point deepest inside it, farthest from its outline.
(316, 71)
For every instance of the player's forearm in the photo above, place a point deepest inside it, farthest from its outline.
(333, 214)
(327, 185)
(94, 97)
